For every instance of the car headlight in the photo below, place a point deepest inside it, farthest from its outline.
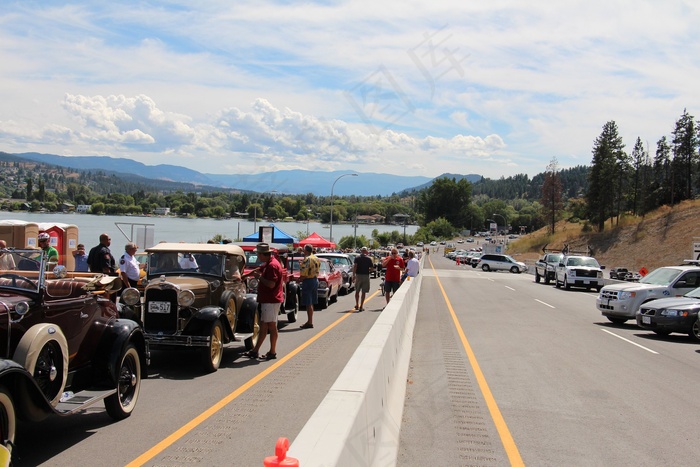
(130, 296)
(185, 298)
(626, 295)
(253, 284)
(22, 308)
(674, 313)
(600, 274)
(550, 268)
(345, 275)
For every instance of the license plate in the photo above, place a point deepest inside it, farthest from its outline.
(159, 307)
(646, 319)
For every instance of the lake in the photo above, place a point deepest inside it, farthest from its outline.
(175, 229)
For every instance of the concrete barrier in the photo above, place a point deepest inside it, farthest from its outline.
(358, 422)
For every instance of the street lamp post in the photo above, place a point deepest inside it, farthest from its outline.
(333, 186)
(505, 222)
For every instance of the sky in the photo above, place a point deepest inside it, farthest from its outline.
(407, 87)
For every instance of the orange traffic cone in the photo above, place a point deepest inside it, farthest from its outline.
(280, 458)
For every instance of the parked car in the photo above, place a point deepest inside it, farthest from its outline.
(620, 302)
(63, 345)
(290, 306)
(493, 262)
(579, 271)
(330, 280)
(343, 263)
(667, 315)
(545, 267)
(202, 307)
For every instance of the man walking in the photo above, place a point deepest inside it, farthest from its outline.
(392, 277)
(270, 298)
(308, 272)
(361, 269)
(100, 258)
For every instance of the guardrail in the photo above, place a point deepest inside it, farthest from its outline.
(359, 420)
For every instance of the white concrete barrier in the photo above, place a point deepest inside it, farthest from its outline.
(358, 422)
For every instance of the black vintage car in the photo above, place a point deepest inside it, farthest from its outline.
(63, 346)
(195, 298)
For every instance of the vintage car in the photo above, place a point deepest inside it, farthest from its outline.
(342, 263)
(63, 345)
(195, 298)
(290, 307)
(330, 280)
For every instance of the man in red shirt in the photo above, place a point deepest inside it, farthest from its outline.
(270, 298)
(393, 266)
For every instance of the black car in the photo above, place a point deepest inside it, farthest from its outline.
(667, 315)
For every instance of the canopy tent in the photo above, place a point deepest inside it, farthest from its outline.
(278, 236)
(316, 241)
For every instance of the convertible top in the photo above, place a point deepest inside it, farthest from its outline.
(228, 248)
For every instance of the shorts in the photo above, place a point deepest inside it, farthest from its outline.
(269, 311)
(362, 282)
(309, 291)
(391, 286)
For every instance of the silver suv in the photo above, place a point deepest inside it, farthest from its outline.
(491, 262)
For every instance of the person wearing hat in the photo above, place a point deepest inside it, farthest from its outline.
(270, 298)
(44, 240)
(129, 267)
(361, 270)
(7, 262)
(308, 273)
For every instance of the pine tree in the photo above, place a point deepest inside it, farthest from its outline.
(604, 174)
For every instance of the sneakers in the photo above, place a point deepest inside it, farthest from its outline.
(306, 326)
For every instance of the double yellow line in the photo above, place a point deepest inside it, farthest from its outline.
(503, 431)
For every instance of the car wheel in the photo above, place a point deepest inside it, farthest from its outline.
(515, 270)
(122, 403)
(695, 330)
(485, 268)
(567, 286)
(8, 419)
(547, 280)
(617, 320)
(323, 302)
(597, 289)
(537, 277)
(231, 311)
(252, 340)
(213, 353)
(43, 351)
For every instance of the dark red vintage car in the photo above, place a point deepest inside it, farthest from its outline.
(63, 346)
(330, 280)
(290, 307)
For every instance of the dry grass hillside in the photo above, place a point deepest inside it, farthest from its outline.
(661, 238)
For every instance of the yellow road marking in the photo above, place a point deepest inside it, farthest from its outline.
(503, 431)
(199, 419)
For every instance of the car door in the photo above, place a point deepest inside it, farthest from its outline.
(686, 282)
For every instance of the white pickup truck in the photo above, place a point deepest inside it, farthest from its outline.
(620, 302)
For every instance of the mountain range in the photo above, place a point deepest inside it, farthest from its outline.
(283, 181)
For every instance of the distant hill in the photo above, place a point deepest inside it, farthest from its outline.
(284, 181)
(472, 178)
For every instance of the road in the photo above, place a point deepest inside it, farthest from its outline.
(503, 371)
(229, 418)
(539, 377)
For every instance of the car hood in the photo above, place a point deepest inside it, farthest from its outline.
(675, 302)
(184, 282)
(631, 287)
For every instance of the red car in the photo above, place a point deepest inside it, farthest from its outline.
(290, 307)
(330, 280)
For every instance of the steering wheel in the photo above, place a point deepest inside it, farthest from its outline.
(14, 278)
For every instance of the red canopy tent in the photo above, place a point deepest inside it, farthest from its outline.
(316, 241)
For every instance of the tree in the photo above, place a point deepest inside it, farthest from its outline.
(685, 157)
(30, 189)
(551, 194)
(603, 174)
(639, 162)
(446, 198)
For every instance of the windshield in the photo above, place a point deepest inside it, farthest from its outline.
(21, 269)
(661, 276)
(171, 262)
(582, 262)
(695, 293)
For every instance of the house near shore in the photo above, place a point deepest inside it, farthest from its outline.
(373, 219)
(160, 211)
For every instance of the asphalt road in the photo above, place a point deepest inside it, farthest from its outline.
(232, 417)
(506, 371)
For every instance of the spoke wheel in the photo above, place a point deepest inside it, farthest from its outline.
(48, 371)
(120, 405)
(253, 340)
(8, 419)
(214, 352)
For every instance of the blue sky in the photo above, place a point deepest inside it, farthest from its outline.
(412, 87)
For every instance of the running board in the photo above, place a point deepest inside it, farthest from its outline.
(82, 400)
